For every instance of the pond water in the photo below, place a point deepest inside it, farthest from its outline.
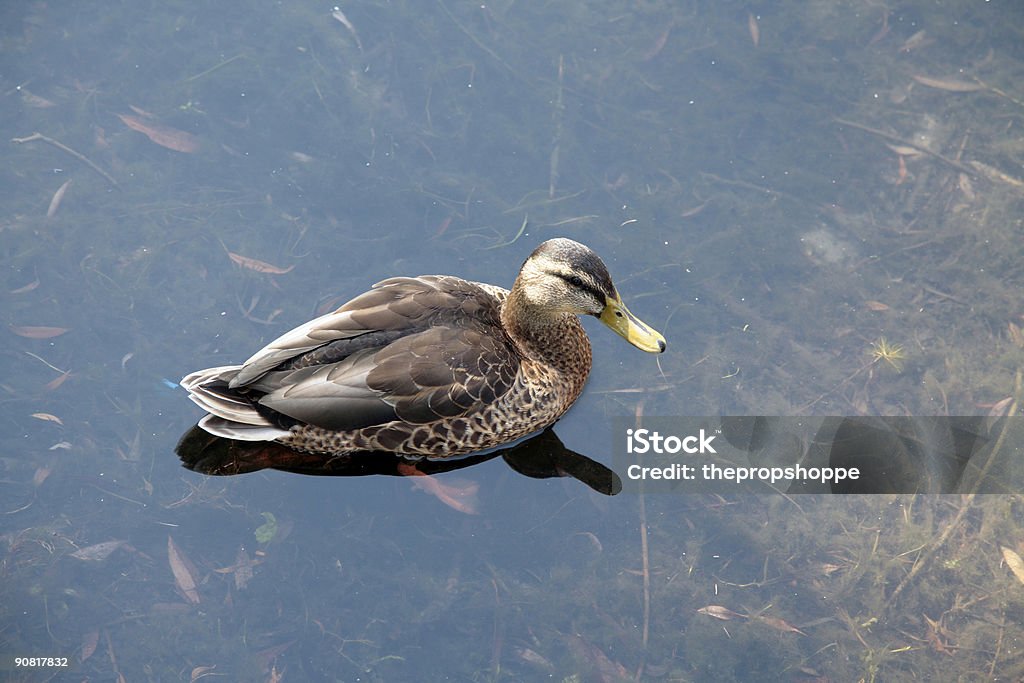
(817, 203)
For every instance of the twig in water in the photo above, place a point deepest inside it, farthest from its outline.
(963, 168)
(64, 148)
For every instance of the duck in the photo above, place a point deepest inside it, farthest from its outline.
(433, 366)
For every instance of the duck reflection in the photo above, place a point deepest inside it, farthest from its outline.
(540, 457)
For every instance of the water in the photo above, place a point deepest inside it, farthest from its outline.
(771, 244)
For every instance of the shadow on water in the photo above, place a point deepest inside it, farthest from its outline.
(540, 457)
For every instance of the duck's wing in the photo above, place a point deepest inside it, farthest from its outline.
(392, 309)
(442, 372)
(410, 349)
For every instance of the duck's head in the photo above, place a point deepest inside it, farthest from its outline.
(563, 276)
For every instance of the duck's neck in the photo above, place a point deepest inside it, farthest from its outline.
(556, 339)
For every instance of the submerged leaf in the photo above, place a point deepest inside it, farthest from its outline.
(183, 576)
(949, 85)
(89, 642)
(780, 625)
(97, 552)
(165, 136)
(37, 331)
(1014, 562)
(719, 612)
(257, 265)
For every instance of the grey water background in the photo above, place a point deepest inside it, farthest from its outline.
(797, 264)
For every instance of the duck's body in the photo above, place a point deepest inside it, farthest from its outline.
(429, 366)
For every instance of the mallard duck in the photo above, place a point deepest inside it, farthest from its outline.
(431, 366)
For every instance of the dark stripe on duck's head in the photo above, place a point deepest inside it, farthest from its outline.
(576, 264)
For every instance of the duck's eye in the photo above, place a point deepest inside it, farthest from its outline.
(575, 281)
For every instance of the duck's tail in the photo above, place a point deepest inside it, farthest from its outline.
(232, 414)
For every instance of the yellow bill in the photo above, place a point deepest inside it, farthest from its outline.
(631, 328)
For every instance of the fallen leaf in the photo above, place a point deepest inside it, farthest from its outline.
(876, 306)
(97, 552)
(57, 381)
(265, 658)
(658, 45)
(89, 642)
(37, 331)
(534, 658)
(904, 150)
(184, 579)
(755, 30)
(201, 671)
(35, 100)
(165, 136)
(719, 612)
(142, 112)
(257, 265)
(40, 475)
(1014, 562)
(242, 569)
(779, 625)
(47, 417)
(1000, 408)
(27, 288)
(58, 197)
(949, 85)
(919, 39)
(602, 667)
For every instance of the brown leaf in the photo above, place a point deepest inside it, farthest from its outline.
(35, 100)
(257, 265)
(27, 288)
(40, 475)
(876, 306)
(58, 197)
(719, 612)
(780, 625)
(1014, 562)
(89, 642)
(754, 29)
(57, 381)
(949, 85)
(242, 569)
(201, 671)
(37, 331)
(184, 579)
(904, 150)
(602, 668)
(165, 136)
(142, 112)
(97, 552)
(47, 417)
(534, 658)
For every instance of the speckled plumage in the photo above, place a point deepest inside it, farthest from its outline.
(428, 366)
